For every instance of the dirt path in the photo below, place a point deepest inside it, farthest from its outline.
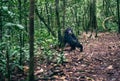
(100, 61)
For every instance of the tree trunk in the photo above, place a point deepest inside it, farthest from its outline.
(0, 21)
(47, 11)
(8, 64)
(58, 22)
(31, 40)
(118, 13)
(64, 5)
(51, 17)
(20, 35)
(25, 15)
(93, 21)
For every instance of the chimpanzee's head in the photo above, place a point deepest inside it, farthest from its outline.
(68, 31)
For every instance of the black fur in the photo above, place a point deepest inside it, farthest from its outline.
(71, 39)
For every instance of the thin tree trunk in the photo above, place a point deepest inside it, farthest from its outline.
(31, 40)
(25, 10)
(93, 21)
(76, 14)
(47, 11)
(94, 17)
(8, 64)
(58, 22)
(51, 17)
(64, 5)
(118, 13)
(20, 35)
(0, 21)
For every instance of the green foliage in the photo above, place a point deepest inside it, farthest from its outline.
(61, 58)
(43, 38)
(10, 43)
(76, 16)
(12, 25)
(2, 59)
(46, 42)
(13, 56)
(53, 56)
(48, 55)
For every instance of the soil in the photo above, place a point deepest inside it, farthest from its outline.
(100, 61)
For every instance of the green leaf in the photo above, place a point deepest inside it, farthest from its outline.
(5, 8)
(20, 26)
(11, 25)
(49, 40)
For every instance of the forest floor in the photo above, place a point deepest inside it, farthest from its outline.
(100, 61)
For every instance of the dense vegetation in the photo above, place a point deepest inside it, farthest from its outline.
(33, 29)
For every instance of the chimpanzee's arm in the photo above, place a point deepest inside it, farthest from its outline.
(74, 37)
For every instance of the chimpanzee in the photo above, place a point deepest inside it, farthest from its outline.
(71, 39)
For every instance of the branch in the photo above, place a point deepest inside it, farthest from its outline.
(105, 20)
